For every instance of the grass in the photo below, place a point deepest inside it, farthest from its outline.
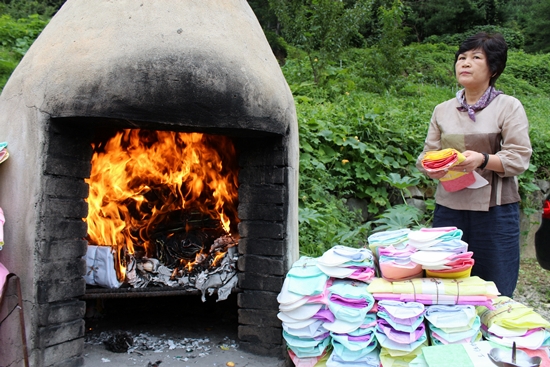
(533, 288)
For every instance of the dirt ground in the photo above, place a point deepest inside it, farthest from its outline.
(177, 331)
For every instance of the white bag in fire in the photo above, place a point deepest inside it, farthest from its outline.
(100, 267)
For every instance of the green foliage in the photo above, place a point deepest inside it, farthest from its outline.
(16, 36)
(514, 38)
(18, 9)
(322, 28)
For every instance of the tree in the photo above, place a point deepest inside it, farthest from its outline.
(322, 28)
(537, 26)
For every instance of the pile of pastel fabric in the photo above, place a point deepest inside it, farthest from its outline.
(344, 262)
(393, 255)
(352, 331)
(453, 324)
(511, 321)
(324, 305)
(400, 331)
(396, 238)
(441, 252)
(303, 310)
(397, 264)
(436, 291)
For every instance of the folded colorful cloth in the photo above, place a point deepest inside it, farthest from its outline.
(442, 160)
(451, 317)
(371, 359)
(395, 264)
(305, 278)
(339, 255)
(399, 336)
(406, 313)
(511, 314)
(512, 321)
(2, 221)
(314, 330)
(307, 348)
(458, 336)
(472, 286)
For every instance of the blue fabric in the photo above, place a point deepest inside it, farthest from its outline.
(493, 236)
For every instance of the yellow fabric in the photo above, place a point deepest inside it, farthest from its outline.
(471, 286)
(511, 314)
(446, 153)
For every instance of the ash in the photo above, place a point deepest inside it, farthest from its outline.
(145, 342)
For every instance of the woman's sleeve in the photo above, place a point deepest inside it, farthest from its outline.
(432, 141)
(516, 148)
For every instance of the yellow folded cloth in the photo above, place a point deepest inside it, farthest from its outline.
(511, 314)
(453, 157)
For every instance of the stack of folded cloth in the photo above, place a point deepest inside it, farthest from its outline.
(433, 291)
(344, 262)
(511, 321)
(453, 324)
(396, 238)
(441, 252)
(303, 311)
(352, 330)
(396, 264)
(442, 160)
(400, 331)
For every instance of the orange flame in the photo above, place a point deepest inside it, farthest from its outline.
(140, 177)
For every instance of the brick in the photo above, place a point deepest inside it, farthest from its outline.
(57, 228)
(66, 208)
(261, 230)
(258, 300)
(63, 187)
(53, 291)
(268, 350)
(67, 167)
(60, 333)
(258, 317)
(62, 249)
(261, 246)
(59, 270)
(255, 281)
(265, 194)
(61, 312)
(265, 153)
(262, 175)
(64, 354)
(267, 212)
(255, 334)
(261, 265)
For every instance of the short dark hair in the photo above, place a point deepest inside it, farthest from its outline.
(495, 48)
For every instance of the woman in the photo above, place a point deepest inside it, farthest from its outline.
(492, 132)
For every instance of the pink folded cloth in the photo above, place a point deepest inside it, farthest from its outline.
(398, 336)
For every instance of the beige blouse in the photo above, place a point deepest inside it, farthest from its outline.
(501, 128)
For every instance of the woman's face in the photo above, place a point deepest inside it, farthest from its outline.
(472, 70)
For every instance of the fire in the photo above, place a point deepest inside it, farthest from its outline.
(141, 180)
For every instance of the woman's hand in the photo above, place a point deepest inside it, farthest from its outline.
(473, 160)
(436, 175)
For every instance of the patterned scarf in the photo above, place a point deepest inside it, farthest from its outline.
(483, 102)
